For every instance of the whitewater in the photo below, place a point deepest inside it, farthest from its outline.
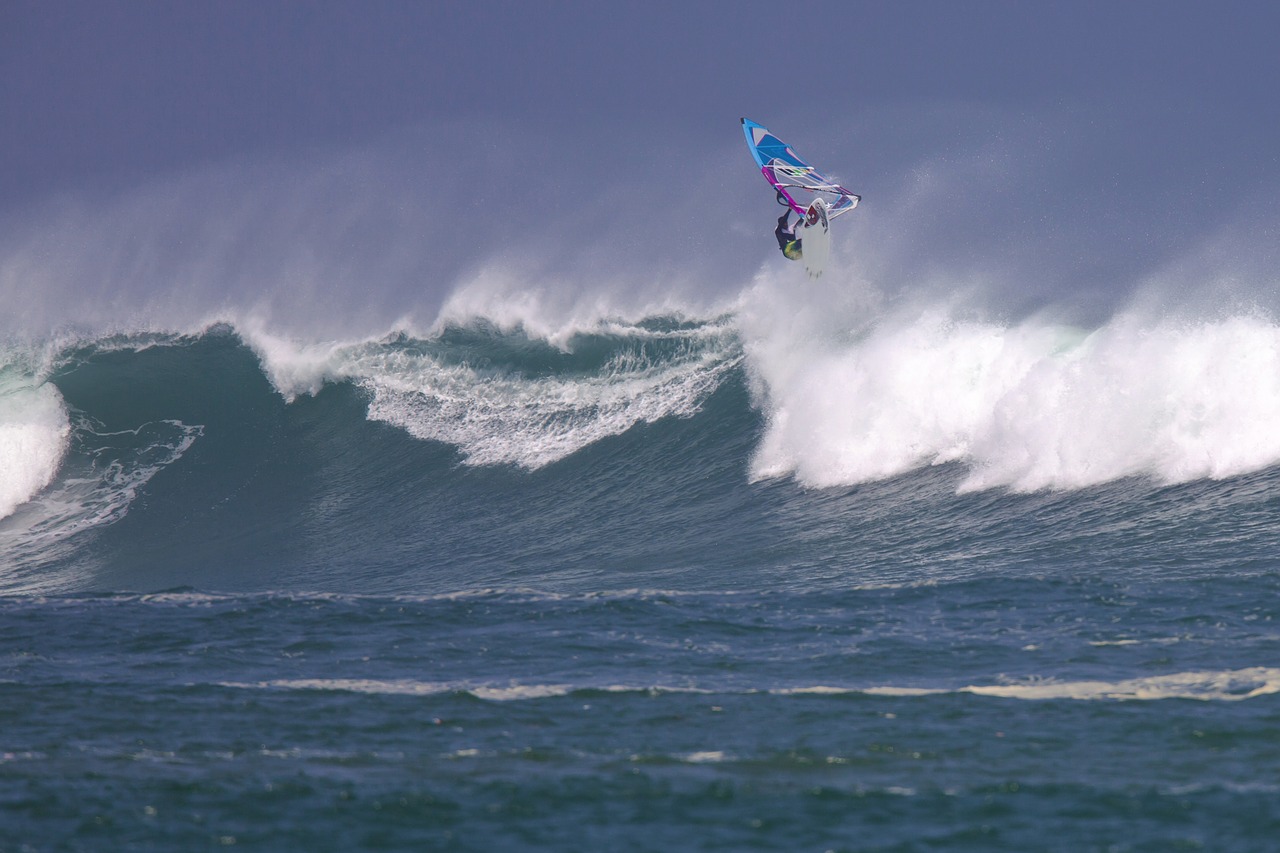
(310, 540)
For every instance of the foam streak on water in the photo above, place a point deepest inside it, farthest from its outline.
(1227, 686)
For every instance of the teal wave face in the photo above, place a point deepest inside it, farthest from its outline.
(232, 485)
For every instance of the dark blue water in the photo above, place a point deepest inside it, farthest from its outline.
(479, 592)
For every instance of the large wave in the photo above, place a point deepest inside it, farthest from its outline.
(282, 438)
(252, 322)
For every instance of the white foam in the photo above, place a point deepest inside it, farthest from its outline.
(1213, 685)
(295, 367)
(34, 435)
(410, 687)
(1224, 686)
(1209, 686)
(1028, 405)
(498, 417)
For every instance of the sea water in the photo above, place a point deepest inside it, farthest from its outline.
(763, 579)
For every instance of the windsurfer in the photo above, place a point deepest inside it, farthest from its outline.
(787, 240)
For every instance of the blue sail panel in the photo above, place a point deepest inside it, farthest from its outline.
(786, 171)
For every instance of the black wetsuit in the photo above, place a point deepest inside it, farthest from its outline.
(786, 233)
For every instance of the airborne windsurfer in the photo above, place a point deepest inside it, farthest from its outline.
(804, 191)
(787, 240)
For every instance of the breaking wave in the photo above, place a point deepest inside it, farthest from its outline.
(481, 448)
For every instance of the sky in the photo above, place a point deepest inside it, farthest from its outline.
(1087, 145)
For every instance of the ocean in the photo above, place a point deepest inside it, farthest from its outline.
(766, 578)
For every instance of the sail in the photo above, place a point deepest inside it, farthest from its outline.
(792, 176)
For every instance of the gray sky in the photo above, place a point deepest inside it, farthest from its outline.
(1099, 139)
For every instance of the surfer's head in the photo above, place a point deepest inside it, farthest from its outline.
(792, 250)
